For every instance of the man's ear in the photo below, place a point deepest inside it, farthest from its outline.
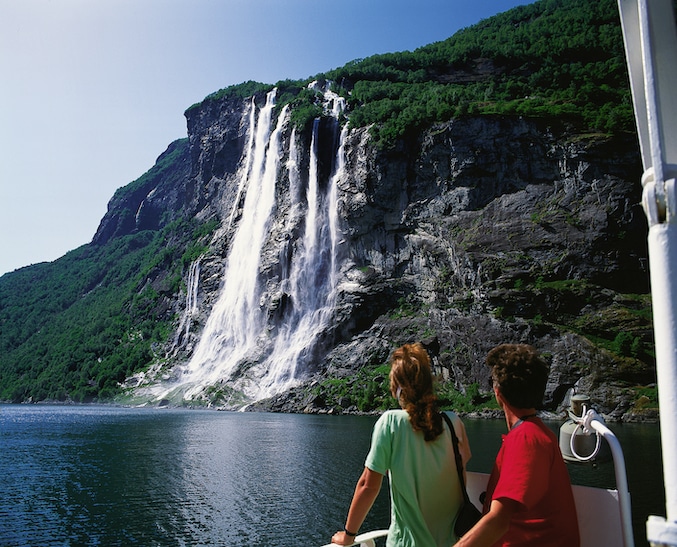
(499, 397)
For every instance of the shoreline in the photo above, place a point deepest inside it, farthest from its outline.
(644, 416)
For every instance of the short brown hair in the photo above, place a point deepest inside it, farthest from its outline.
(519, 373)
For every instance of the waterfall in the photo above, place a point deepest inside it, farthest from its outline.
(236, 320)
(242, 344)
(191, 292)
(191, 303)
(246, 167)
(312, 280)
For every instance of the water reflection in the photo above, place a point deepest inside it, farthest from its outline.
(99, 476)
(110, 476)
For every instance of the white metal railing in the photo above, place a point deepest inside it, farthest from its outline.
(366, 539)
(650, 41)
(592, 422)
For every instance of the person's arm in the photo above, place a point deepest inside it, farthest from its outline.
(366, 491)
(492, 526)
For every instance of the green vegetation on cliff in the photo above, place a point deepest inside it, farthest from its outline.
(553, 58)
(557, 58)
(75, 328)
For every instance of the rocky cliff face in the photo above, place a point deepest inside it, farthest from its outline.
(476, 232)
(498, 230)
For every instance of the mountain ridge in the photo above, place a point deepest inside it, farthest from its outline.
(419, 188)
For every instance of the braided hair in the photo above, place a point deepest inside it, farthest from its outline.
(411, 382)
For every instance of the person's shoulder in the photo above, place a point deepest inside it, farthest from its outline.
(394, 417)
(532, 432)
(395, 414)
(390, 422)
(455, 418)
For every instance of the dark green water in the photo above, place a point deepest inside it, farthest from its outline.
(89, 475)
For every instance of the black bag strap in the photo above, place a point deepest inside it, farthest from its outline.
(457, 454)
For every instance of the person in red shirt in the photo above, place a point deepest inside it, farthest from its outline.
(529, 500)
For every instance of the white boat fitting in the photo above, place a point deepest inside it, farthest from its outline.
(650, 40)
(596, 505)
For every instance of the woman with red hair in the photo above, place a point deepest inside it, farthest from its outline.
(414, 447)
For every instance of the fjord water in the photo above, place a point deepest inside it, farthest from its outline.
(113, 476)
(94, 475)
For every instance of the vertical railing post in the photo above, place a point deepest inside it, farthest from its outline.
(651, 51)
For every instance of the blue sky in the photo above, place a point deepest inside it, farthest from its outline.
(92, 91)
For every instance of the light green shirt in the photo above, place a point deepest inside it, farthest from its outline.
(424, 486)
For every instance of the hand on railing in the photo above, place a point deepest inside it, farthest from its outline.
(366, 539)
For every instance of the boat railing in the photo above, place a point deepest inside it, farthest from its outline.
(591, 422)
(650, 39)
(365, 540)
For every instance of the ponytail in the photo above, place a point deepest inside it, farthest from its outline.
(410, 371)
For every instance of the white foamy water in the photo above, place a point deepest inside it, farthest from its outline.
(312, 280)
(238, 336)
(236, 321)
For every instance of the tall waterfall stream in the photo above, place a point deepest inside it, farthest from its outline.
(241, 346)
